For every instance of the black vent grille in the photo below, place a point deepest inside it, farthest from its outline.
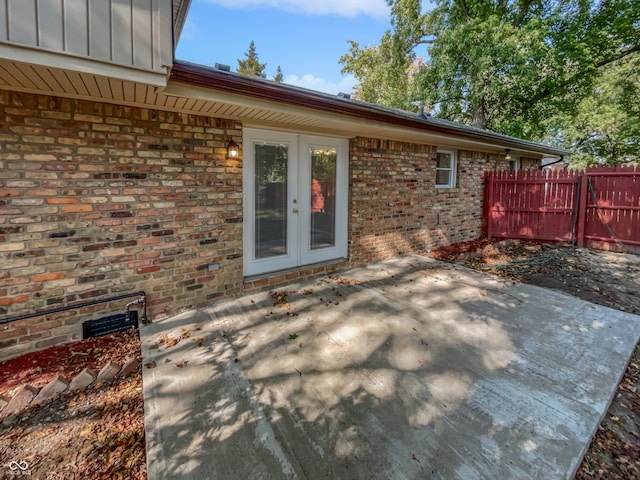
(111, 324)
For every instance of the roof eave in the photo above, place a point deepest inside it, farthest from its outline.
(181, 8)
(207, 77)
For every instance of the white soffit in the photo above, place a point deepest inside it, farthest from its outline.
(16, 60)
(252, 113)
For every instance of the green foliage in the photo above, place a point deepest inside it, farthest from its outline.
(251, 65)
(605, 128)
(385, 70)
(323, 164)
(279, 76)
(502, 65)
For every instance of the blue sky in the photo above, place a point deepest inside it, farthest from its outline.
(305, 37)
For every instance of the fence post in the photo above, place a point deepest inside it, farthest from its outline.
(485, 206)
(583, 188)
(488, 200)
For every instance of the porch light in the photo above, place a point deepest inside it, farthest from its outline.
(233, 150)
(507, 154)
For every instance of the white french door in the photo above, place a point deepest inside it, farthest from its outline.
(295, 200)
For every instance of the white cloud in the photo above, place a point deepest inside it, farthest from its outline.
(343, 8)
(321, 85)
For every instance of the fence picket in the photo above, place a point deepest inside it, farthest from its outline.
(539, 205)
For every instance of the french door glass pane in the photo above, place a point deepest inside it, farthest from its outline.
(270, 200)
(323, 197)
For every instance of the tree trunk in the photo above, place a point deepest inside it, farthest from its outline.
(479, 118)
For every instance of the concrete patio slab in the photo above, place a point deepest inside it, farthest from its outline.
(407, 369)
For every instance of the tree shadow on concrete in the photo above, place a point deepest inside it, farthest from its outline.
(402, 370)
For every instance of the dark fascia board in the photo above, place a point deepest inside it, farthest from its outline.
(208, 77)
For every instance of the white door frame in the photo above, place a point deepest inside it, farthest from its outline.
(299, 250)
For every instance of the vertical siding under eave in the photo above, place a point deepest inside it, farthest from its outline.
(22, 31)
(142, 37)
(121, 31)
(50, 24)
(100, 26)
(3, 20)
(76, 23)
(135, 33)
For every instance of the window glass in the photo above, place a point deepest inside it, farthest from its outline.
(442, 177)
(445, 169)
(444, 160)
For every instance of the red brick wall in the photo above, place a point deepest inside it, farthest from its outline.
(529, 163)
(498, 162)
(395, 207)
(99, 200)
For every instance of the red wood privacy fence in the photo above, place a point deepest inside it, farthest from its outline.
(599, 208)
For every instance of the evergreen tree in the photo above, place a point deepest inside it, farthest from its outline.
(279, 76)
(251, 64)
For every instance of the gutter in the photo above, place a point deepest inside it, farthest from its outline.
(233, 83)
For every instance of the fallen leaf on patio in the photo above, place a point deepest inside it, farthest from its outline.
(185, 333)
(345, 281)
(614, 418)
(280, 298)
(293, 336)
(308, 291)
(167, 340)
(182, 363)
(150, 365)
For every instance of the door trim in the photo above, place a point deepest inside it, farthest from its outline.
(299, 252)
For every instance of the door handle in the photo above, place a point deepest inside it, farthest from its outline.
(295, 210)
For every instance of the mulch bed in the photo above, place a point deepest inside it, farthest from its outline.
(97, 433)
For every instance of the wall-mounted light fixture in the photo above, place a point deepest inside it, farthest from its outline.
(233, 150)
(507, 154)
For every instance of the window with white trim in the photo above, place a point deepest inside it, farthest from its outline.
(445, 169)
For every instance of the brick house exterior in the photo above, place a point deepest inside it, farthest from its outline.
(100, 197)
